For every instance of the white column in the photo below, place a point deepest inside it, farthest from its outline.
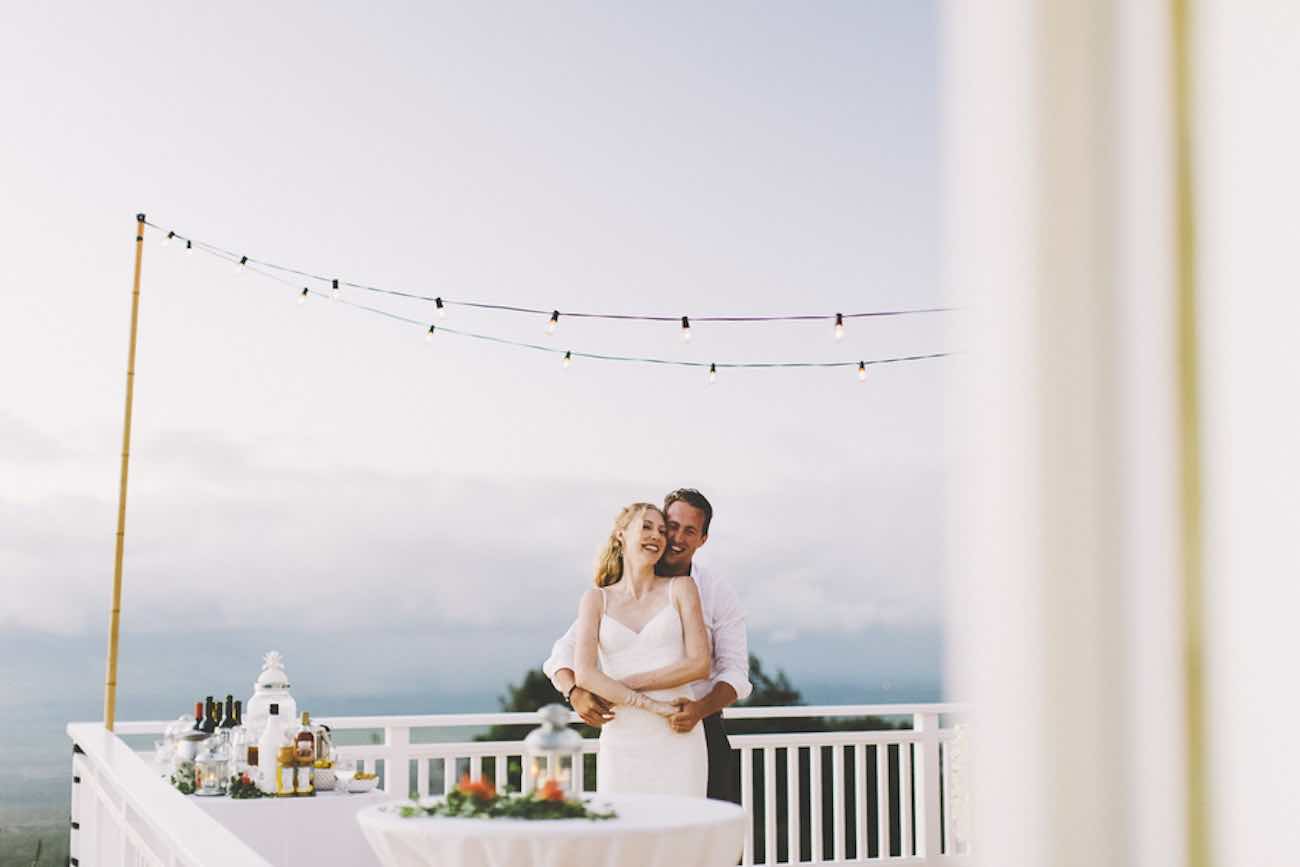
(1247, 60)
(1064, 578)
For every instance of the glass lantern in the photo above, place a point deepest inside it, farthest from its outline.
(212, 771)
(554, 752)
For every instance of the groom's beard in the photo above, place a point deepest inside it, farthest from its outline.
(664, 569)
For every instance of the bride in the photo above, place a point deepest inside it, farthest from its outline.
(635, 622)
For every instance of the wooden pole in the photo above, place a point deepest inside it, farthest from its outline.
(115, 615)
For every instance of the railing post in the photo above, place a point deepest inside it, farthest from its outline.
(926, 726)
(397, 761)
(75, 811)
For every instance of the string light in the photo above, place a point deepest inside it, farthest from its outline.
(555, 321)
(442, 311)
(839, 326)
(243, 263)
(168, 238)
(428, 335)
(838, 318)
(267, 270)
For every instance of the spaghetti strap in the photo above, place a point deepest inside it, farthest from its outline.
(603, 601)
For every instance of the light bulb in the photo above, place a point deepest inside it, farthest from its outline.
(334, 289)
(302, 296)
(555, 321)
(243, 261)
(442, 311)
(839, 326)
(167, 239)
(568, 359)
(428, 335)
(713, 373)
(862, 371)
(686, 330)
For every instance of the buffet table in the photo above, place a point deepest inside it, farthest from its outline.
(650, 831)
(300, 832)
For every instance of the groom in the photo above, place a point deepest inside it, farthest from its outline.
(688, 516)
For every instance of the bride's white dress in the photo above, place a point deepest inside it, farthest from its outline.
(639, 752)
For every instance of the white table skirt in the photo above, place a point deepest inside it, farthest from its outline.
(300, 832)
(650, 831)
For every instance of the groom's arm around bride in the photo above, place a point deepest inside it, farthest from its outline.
(689, 516)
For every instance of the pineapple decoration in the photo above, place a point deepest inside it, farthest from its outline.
(272, 686)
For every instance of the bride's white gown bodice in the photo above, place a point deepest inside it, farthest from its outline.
(639, 751)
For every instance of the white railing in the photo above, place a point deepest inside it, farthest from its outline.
(123, 813)
(839, 795)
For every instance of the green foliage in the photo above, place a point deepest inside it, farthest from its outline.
(183, 779)
(482, 805)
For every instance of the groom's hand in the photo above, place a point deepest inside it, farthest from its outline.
(593, 709)
(687, 717)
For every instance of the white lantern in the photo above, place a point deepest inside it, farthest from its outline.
(212, 769)
(554, 751)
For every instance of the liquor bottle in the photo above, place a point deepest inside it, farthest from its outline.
(198, 716)
(268, 748)
(228, 718)
(304, 754)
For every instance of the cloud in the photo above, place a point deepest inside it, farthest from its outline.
(219, 535)
(25, 443)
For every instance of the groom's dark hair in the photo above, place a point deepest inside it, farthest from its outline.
(691, 497)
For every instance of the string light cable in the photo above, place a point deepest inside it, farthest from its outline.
(254, 266)
(551, 315)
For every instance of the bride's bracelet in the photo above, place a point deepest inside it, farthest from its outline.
(644, 702)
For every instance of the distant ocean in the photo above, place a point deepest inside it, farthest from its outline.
(37, 755)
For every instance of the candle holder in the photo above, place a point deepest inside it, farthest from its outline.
(212, 771)
(554, 751)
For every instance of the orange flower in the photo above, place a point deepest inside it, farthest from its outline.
(551, 791)
(480, 790)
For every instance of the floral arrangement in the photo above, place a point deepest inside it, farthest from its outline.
(183, 778)
(479, 800)
(242, 787)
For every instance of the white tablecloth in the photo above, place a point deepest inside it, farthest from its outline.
(650, 831)
(300, 832)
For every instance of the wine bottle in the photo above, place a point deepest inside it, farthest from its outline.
(228, 719)
(210, 719)
(198, 716)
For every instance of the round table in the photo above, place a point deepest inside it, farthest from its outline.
(650, 831)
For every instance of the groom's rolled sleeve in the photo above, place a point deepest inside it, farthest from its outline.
(730, 644)
(561, 654)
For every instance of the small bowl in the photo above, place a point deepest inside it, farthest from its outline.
(360, 787)
(324, 779)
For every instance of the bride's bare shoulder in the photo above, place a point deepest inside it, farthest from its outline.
(591, 601)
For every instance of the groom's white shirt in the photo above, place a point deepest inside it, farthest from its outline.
(723, 618)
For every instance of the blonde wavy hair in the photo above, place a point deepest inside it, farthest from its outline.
(609, 562)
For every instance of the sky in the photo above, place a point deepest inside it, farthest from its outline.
(414, 518)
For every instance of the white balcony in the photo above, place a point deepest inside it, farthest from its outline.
(895, 796)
